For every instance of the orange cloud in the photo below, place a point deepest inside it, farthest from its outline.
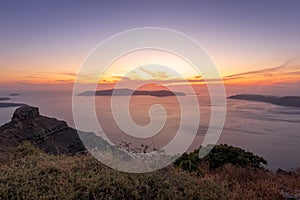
(284, 73)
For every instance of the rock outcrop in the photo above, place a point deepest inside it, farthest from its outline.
(49, 134)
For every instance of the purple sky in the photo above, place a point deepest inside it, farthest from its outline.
(55, 36)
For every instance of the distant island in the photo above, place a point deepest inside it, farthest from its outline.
(13, 94)
(293, 101)
(129, 92)
(4, 98)
(8, 105)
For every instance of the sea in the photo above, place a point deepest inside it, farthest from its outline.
(267, 130)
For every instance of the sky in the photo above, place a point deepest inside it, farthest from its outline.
(251, 42)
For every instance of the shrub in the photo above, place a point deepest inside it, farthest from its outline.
(224, 154)
(218, 157)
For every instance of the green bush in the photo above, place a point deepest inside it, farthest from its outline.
(224, 154)
(218, 157)
(189, 162)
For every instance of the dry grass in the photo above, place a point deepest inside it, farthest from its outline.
(27, 173)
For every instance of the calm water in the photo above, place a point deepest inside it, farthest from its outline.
(270, 131)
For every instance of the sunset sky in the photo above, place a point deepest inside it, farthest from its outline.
(251, 42)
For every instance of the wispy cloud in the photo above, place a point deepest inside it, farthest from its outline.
(283, 73)
(262, 71)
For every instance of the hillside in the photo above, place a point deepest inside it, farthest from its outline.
(28, 173)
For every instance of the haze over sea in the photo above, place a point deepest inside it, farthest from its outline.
(268, 130)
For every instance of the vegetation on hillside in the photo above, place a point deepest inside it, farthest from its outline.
(219, 156)
(28, 173)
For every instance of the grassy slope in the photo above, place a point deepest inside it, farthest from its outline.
(26, 172)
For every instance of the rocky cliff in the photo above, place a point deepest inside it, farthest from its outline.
(49, 134)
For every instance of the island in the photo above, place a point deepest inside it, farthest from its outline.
(129, 92)
(14, 94)
(8, 105)
(293, 101)
(4, 98)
